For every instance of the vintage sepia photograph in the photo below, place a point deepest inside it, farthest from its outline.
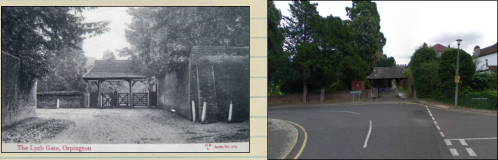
(138, 79)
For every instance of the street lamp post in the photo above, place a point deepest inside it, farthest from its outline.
(456, 82)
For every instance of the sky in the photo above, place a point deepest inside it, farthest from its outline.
(111, 40)
(408, 24)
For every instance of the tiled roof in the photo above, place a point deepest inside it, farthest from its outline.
(387, 73)
(492, 68)
(439, 48)
(112, 69)
(488, 50)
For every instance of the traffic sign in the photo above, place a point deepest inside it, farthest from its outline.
(457, 79)
(355, 92)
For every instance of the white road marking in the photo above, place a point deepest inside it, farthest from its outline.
(442, 135)
(342, 111)
(463, 142)
(454, 152)
(433, 118)
(438, 128)
(473, 138)
(448, 142)
(368, 135)
(430, 113)
(471, 152)
(435, 123)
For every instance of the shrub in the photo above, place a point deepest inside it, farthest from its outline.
(447, 69)
(422, 68)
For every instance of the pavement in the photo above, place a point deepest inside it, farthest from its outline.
(282, 139)
(402, 129)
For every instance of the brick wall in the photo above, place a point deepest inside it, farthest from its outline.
(315, 97)
(216, 75)
(173, 92)
(230, 68)
(67, 99)
(18, 102)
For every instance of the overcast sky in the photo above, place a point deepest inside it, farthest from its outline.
(111, 40)
(407, 25)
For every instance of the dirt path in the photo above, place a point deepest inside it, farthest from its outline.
(139, 126)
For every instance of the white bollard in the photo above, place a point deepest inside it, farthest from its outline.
(57, 103)
(230, 112)
(193, 111)
(203, 112)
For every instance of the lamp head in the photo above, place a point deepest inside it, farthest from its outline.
(459, 40)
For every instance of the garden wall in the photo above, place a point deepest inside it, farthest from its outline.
(18, 102)
(67, 99)
(315, 97)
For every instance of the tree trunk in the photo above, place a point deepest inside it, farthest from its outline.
(305, 88)
(322, 94)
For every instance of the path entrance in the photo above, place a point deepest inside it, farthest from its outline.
(389, 74)
(119, 70)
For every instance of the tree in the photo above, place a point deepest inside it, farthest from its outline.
(160, 37)
(365, 21)
(278, 60)
(447, 71)
(66, 75)
(298, 31)
(108, 55)
(37, 34)
(423, 66)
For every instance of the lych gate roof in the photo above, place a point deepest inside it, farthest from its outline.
(112, 69)
(387, 73)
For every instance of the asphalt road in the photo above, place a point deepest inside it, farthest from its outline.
(399, 131)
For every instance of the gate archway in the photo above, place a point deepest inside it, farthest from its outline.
(111, 71)
(386, 73)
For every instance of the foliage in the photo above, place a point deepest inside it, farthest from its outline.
(388, 62)
(37, 34)
(365, 22)
(298, 43)
(447, 69)
(161, 37)
(278, 60)
(274, 90)
(108, 55)
(422, 58)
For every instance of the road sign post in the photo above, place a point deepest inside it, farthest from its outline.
(356, 92)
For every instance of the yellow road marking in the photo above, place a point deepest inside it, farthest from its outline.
(305, 138)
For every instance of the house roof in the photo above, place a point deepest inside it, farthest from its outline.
(112, 69)
(439, 48)
(488, 50)
(492, 68)
(387, 73)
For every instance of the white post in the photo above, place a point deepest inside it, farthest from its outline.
(57, 103)
(230, 112)
(203, 117)
(193, 111)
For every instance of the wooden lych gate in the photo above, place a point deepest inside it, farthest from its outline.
(118, 70)
(389, 74)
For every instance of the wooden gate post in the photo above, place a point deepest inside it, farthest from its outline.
(99, 99)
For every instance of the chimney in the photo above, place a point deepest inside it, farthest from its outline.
(477, 51)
